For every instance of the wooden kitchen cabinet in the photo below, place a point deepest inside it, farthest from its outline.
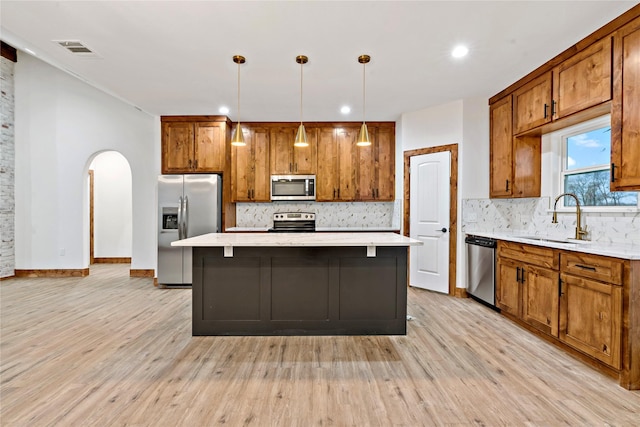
(250, 167)
(591, 305)
(532, 104)
(582, 81)
(376, 165)
(515, 162)
(625, 112)
(286, 159)
(194, 144)
(527, 285)
(336, 176)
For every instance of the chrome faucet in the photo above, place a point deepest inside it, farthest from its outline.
(580, 232)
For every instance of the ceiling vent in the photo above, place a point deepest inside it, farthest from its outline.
(76, 47)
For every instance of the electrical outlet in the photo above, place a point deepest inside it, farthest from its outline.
(472, 217)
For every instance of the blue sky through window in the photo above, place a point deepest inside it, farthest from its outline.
(589, 149)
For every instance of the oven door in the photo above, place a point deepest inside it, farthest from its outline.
(293, 187)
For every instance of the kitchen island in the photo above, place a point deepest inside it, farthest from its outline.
(299, 283)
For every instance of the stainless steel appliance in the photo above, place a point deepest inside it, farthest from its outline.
(291, 222)
(293, 187)
(481, 268)
(188, 205)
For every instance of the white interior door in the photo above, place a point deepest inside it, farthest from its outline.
(429, 220)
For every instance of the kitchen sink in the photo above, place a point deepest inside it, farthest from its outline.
(553, 240)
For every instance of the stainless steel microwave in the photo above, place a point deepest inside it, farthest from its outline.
(293, 187)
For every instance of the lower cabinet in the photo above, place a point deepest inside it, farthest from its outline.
(528, 291)
(578, 300)
(591, 310)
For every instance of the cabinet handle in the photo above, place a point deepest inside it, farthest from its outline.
(334, 193)
(507, 185)
(522, 274)
(586, 267)
(545, 110)
(296, 167)
(373, 193)
(338, 193)
(195, 164)
(553, 108)
(613, 172)
(290, 168)
(377, 194)
(189, 163)
(249, 194)
(253, 194)
(560, 293)
(518, 274)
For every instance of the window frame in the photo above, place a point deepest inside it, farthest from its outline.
(559, 149)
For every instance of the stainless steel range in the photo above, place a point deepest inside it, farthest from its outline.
(291, 222)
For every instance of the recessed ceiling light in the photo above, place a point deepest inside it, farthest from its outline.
(224, 110)
(459, 51)
(345, 109)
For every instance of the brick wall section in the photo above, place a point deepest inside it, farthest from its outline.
(7, 169)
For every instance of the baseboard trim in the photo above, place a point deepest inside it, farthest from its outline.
(67, 272)
(461, 293)
(112, 260)
(7, 277)
(141, 273)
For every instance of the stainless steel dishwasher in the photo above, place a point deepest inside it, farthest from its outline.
(481, 269)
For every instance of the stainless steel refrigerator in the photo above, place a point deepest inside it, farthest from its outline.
(188, 205)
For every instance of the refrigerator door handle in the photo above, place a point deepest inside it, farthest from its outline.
(180, 216)
(185, 215)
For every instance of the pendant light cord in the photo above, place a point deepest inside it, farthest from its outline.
(238, 94)
(364, 77)
(301, 76)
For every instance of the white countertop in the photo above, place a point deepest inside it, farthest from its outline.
(630, 252)
(318, 229)
(298, 239)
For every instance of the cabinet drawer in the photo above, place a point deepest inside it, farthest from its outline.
(593, 266)
(534, 255)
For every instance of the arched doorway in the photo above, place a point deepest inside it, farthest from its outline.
(110, 209)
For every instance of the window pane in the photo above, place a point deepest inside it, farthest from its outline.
(589, 149)
(592, 189)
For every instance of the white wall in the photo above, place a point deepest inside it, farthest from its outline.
(112, 205)
(463, 122)
(61, 124)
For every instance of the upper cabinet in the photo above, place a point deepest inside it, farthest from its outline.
(580, 82)
(250, 167)
(347, 172)
(194, 144)
(286, 159)
(625, 112)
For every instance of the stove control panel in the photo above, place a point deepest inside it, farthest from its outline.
(294, 216)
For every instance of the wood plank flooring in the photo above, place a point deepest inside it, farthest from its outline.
(108, 350)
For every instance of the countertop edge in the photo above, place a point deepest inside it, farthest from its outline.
(362, 239)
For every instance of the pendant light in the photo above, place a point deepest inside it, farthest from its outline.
(301, 135)
(238, 136)
(363, 137)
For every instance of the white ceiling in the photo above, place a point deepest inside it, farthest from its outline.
(175, 57)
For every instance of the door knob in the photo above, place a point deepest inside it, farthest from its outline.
(444, 230)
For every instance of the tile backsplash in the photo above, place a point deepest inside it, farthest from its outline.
(533, 216)
(346, 214)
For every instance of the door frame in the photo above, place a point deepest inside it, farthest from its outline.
(453, 207)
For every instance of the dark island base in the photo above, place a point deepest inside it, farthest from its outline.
(299, 291)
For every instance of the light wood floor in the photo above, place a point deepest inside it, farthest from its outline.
(112, 350)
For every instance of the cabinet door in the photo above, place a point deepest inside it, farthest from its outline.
(386, 163)
(501, 148)
(327, 176)
(532, 104)
(281, 150)
(242, 169)
(177, 147)
(304, 158)
(346, 141)
(210, 139)
(540, 298)
(582, 81)
(625, 111)
(508, 286)
(591, 317)
(527, 165)
(366, 176)
(261, 176)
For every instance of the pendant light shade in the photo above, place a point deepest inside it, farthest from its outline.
(301, 135)
(363, 137)
(238, 136)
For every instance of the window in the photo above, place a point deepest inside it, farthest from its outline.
(585, 166)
